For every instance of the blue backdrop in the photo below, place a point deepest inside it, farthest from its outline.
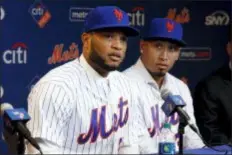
(38, 35)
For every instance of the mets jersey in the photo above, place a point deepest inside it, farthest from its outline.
(74, 110)
(154, 115)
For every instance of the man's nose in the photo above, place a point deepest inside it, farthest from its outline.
(164, 55)
(117, 43)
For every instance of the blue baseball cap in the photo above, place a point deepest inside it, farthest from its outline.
(165, 29)
(108, 17)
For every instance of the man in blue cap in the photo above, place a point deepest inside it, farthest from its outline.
(82, 106)
(160, 49)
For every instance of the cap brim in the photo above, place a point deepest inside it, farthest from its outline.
(175, 41)
(128, 30)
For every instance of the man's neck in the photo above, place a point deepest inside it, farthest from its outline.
(96, 67)
(159, 80)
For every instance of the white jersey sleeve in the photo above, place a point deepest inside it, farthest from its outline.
(50, 109)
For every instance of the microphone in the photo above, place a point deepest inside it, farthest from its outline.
(15, 120)
(175, 103)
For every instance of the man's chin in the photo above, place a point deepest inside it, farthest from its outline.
(158, 74)
(111, 67)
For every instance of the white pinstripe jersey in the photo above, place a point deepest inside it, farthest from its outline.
(80, 112)
(154, 116)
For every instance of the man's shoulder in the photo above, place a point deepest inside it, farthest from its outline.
(133, 74)
(176, 81)
(134, 84)
(129, 70)
(214, 78)
(122, 76)
(62, 75)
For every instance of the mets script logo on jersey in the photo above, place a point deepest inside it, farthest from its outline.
(98, 125)
(174, 119)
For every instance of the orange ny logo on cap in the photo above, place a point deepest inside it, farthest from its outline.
(170, 26)
(118, 14)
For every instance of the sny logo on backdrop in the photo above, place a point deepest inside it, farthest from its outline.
(59, 56)
(182, 17)
(195, 53)
(137, 16)
(40, 13)
(77, 14)
(217, 18)
(2, 13)
(16, 55)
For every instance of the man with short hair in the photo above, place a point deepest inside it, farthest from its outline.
(83, 106)
(160, 49)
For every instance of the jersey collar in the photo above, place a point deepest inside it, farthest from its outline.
(144, 75)
(91, 71)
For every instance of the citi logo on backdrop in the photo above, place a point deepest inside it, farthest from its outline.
(40, 13)
(17, 54)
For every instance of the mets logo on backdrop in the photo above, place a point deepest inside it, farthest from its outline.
(60, 55)
(40, 13)
(180, 17)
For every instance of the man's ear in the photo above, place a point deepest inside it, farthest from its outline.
(86, 39)
(178, 54)
(229, 48)
(142, 46)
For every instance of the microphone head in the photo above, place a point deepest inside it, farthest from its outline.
(165, 93)
(171, 102)
(4, 107)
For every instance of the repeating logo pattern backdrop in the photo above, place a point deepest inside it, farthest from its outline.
(38, 35)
